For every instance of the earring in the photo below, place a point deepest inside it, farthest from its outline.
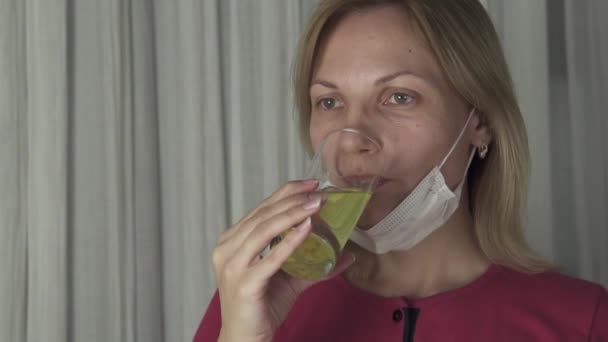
(483, 151)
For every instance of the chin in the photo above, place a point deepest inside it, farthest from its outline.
(372, 216)
(378, 208)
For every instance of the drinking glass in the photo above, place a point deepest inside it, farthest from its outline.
(348, 165)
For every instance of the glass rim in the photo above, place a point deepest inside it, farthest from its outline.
(374, 178)
(347, 130)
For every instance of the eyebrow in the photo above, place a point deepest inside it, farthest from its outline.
(383, 79)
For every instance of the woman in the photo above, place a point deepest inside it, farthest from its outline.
(428, 80)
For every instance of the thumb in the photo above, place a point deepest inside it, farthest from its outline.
(345, 261)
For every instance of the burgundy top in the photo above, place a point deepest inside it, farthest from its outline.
(501, 305)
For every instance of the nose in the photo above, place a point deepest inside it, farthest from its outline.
(355, 142)
(356, 153)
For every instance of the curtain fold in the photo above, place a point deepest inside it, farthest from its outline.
(557, 53)
(132, 132)
(13, 201)
(227, 132)
(191, 156)
(45, 205)
(528, 62)
(587, 78)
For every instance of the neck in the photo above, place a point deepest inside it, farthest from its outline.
(447, 259)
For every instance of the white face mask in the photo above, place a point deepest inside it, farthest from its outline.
(425, 209)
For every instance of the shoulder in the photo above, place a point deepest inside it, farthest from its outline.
(553, 286)
(571, 302)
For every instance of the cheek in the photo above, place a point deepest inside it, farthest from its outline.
(412, 152)
(318, 130)
(316, 135)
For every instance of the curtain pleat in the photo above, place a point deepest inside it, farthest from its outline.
(133, 132)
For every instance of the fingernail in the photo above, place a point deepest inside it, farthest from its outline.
(310, 181)
(314, 203)
(354, 257)
(315, 195)
(304, 224)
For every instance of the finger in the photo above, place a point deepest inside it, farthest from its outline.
(308, 201)
(219, 257)
(290, 204)
(292, 188)
(265, 231)
(271, 264)
(299, 285)
(346, 260)
(287, 190)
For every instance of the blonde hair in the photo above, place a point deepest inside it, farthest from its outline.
(463, 40)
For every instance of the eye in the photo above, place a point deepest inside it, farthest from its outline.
(400, 99)
(328, 103)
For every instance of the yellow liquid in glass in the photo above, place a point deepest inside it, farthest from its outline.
(316, 257)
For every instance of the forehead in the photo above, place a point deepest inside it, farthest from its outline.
(379, 40)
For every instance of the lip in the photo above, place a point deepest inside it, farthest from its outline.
(359, 178)
(380, 183)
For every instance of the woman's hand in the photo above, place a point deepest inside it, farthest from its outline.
(255, 295)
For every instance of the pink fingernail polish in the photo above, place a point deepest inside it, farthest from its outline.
(304, 224)
(313, 204)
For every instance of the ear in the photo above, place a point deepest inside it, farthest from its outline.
(481, 134)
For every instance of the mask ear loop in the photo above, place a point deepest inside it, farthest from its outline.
(464, 128)
(466, 170)
(466, 124)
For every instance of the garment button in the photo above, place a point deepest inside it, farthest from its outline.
(397, 315)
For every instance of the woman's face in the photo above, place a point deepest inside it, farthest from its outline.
(372, 73)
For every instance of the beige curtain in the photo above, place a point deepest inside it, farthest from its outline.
(33, 171)
(132, 132)
(558, 54)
